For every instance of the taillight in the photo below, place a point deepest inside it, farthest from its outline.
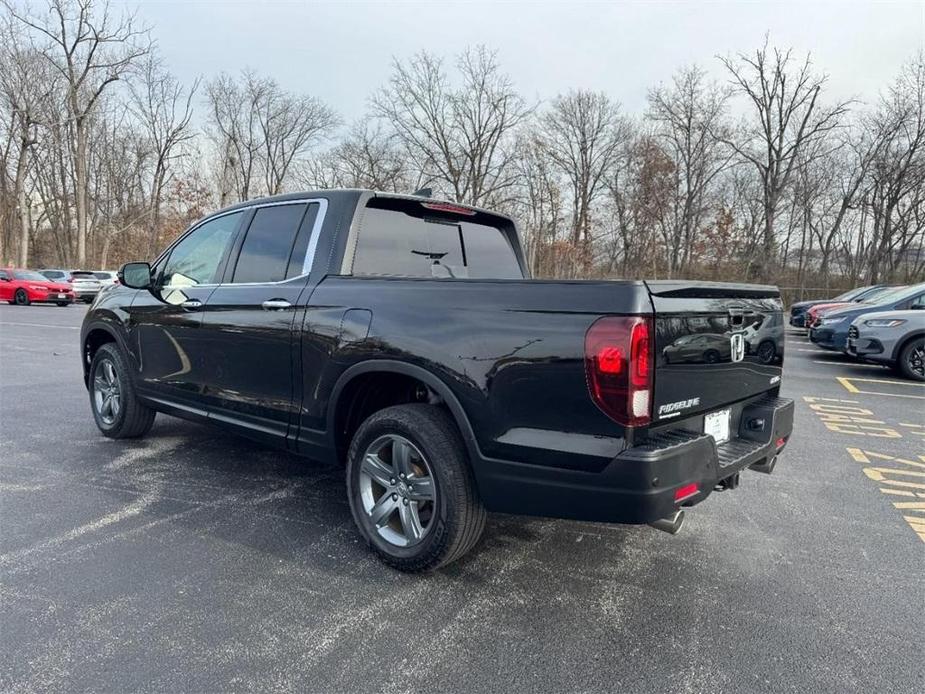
(618, 366)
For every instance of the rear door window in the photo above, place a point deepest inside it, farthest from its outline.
(268, 244)
(404, 239)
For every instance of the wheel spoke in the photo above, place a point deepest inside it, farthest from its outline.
(374, 466)
(106, 407)
(421, 488)
(401, 457)
(99, 383)
(410, 521)
(109, 372)
(115, 404)
(382, 509)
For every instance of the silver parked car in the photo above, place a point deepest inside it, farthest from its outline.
(85, 284)
(895, 338)
(107, 278)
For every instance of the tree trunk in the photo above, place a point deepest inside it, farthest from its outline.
(80, 184)
(20, 185)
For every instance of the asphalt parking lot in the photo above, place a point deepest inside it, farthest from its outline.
(196, 561)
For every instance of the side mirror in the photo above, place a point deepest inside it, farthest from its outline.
(136, 275)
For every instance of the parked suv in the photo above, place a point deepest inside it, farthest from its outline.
(895, 338)
(832, 330)
(402, 338)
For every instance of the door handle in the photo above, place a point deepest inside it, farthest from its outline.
(192, 304)
(276, 305)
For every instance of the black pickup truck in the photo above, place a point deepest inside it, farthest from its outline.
(402, 337)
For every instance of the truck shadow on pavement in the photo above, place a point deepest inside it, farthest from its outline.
(218, 486)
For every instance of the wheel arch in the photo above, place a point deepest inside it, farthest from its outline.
(901, 344)
(385, 368)
(95, 335)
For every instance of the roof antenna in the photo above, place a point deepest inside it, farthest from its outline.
(423, 192)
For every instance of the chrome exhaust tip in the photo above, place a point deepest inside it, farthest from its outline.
(672, 524)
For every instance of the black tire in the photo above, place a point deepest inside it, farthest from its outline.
(62, 303)
(766, 352)
(912, 358)
(711, 356)
(20, 298)
(133, 419)
(457, 517)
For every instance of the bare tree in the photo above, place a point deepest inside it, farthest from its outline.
(367, 158)
(25, 86)
(289, 126)
(164, 109)
(461, 139)
(788, 119)
(582, 132)
(91, 50)
(690, 127)
(261, 130)
(897, 193)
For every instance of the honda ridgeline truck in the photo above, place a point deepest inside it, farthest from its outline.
(403, 338)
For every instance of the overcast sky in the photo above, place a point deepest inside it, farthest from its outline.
(341, 51)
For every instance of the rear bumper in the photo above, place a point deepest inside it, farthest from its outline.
(639, 485)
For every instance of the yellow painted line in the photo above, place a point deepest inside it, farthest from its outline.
(847, 384)
(846, 381)
(885, 380)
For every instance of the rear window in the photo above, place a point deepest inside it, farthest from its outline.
(268, 244)
(102, 275)
(85, 275)
(402, 238)
(53, 274)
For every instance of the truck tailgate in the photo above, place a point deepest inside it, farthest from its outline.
(715, 344)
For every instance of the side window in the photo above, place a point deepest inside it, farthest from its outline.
(3, 275)
(918, 302)
(196, 258)
(268, 245)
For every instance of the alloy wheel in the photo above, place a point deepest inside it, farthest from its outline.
(917, 360)
(107, 392)
(397, 490)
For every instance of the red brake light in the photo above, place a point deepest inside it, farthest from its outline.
(448, 207)
(619, 369)
(685, 492)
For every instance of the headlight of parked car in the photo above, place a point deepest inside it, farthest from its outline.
(884, 322)
(832, 321)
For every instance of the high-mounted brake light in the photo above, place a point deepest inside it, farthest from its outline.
(447, 207)
(618, 367)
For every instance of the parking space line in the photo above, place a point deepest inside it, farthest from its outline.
(42, 325)
(852, 388)
(851, 364)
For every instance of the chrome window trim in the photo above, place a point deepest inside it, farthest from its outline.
(309, 251)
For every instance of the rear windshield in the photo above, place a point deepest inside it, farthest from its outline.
(403, 238)
(102, 275)
(88, 275)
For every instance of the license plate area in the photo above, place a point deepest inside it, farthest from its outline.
(716, 424)
(62, 296)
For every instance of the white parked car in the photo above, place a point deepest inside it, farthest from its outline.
(107, 278)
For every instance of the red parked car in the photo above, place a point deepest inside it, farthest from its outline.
(24, 287)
